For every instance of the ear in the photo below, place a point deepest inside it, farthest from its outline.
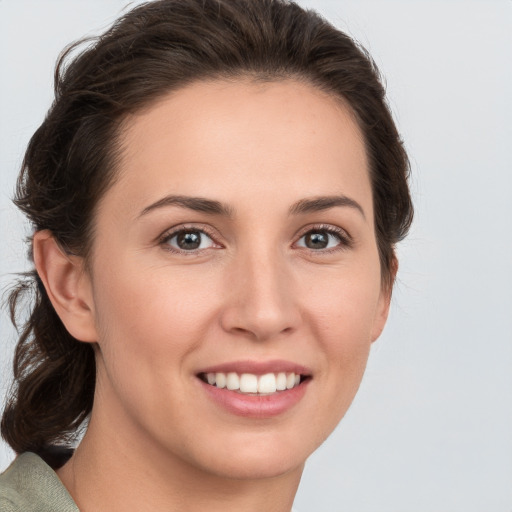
(67, 284)
(382, 311)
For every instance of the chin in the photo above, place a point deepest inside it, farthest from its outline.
(258, 456)
(265, 466)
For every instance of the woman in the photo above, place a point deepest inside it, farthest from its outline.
(216, 194)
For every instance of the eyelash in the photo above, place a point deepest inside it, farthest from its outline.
(169, 235)
(344, 239)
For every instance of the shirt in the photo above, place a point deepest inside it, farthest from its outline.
(30, 485)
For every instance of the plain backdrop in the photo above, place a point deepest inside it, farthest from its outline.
(431, 427)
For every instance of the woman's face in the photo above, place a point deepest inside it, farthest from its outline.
(237, 244)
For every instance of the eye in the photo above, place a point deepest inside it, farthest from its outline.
(319, 239)
(188, 240)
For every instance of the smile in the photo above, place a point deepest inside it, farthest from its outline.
(256, 389)
(252, 384)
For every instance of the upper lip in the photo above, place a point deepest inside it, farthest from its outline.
(258, 367)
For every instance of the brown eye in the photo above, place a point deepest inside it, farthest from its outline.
(189, 240)
(319, 239)
(316, 240)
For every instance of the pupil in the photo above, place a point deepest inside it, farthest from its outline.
(317, 240)
(189, 240)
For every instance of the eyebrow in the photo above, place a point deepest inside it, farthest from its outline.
(198, 204)
(317, 204)
(213, 207)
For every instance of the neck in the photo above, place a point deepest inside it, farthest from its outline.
(112, 472)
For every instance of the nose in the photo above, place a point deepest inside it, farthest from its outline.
(261, 300)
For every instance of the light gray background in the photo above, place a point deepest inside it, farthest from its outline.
(431, 428)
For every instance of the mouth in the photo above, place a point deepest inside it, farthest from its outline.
(253, 384)
(256, 389)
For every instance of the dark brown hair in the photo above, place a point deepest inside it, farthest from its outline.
(71, 159)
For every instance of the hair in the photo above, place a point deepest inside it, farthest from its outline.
(72, 158)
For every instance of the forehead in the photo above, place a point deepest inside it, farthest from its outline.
(246, 139)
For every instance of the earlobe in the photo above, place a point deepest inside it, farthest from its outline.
(67, 285)
(384, 304)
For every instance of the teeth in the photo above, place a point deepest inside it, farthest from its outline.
(281, 381)
(253, 384)
(267, 383)
(220, 380)
(232, 381)
(248, 383)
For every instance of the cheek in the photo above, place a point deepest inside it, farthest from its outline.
(345, 313)
(148, 322)
(151, 315)
(345, 306)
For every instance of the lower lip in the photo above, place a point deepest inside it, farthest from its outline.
(254, 406)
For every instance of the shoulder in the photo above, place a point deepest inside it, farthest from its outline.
(11, 485)
(30, 485)
(8, 502)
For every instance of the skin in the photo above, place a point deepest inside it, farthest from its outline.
(254, 290)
